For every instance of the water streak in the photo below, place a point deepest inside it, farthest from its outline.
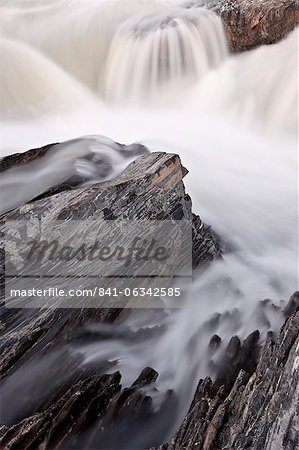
(150, 54)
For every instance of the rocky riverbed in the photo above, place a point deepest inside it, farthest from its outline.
(127, 371)
(252, 401)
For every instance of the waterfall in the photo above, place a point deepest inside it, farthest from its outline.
(30, 83)
(121, 50)
(153, 52)
(75, 35)
(238, 88)
(74, 68)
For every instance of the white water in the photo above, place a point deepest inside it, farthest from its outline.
(116, 46)
(159, 50)
(235, 127)
(30, 83)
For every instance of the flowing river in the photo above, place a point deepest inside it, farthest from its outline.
(160, 73)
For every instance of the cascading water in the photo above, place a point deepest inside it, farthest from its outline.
(89, 158)
(148, 53)
(232, 120)
(119, 49)
(31, 84)
(273, 104)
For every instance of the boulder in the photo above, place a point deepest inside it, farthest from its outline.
(249, 24)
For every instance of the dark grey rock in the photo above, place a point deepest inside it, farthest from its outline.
(293, 305)
(258, 410)
(73, 405)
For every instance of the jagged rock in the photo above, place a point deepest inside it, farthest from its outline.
(99, 156)
(250, 23)
(293, 305)
(238, 356)
(84, 160)
(148, 375)
(94, 413)
(21, 159)
(72, 399)
(150, 188)
(43, 427)
(253, 402)
(259, 410)
(41, 331)
(233, 347)
(215, 341)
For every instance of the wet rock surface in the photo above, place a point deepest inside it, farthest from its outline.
(249, 24)
(96, 412)
(63, 166)
(75, 405)
(253, 404)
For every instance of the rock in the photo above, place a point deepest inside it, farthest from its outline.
(215, 341)
(150, 188)
(147, 376)
(233, 348)
(250, 23)
(65, 166)
(93, 413)
(21, 159)
(237, 356)
(259, 410)
(41, 427)
(293, 305)
(74, 405)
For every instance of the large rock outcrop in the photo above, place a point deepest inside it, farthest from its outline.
(72, 399)
(249, 23)
(150, 188)
(251, 404)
